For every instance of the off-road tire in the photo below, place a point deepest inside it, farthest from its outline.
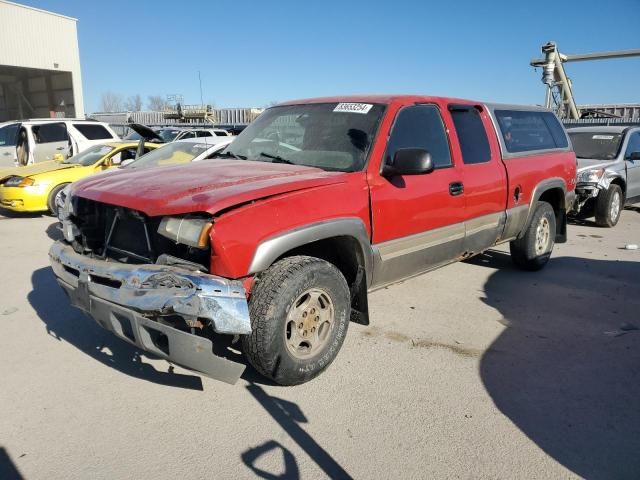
(525, 252)
(607, 215)
(51, 201)
(273, 295)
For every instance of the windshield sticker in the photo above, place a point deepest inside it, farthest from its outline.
(602, 137)
(353, 108)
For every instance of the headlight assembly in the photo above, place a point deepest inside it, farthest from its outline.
(591, 176)
(17, 181)
(187, 231)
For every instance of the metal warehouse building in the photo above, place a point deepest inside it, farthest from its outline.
(39, 64)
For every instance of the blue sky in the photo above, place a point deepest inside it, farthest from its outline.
(251, 53)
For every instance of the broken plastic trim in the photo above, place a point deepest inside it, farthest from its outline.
(156, 289)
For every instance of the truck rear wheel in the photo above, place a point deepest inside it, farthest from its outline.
(533, 249)
(609, 206)
(299, 312)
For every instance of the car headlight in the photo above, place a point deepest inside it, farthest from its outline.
(592, 175)
(187, 231)
(17, 181)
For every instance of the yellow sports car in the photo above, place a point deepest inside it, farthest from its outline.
(34, 188)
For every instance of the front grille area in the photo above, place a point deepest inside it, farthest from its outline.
(127, 236)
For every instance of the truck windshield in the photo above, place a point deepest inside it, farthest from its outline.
(596, 145)
(331, 136)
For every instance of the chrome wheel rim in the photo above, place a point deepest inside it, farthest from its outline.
(614, 211)
(309, 323)
(543, 233)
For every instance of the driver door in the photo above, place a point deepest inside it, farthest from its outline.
(418, 220)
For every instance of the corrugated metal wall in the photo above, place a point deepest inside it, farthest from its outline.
(622, 110)
(33, 38)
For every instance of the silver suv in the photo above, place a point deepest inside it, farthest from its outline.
(608, 171)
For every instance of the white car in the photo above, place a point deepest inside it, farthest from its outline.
(172, 134)
(38, 140)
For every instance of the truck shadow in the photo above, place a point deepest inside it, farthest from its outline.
(8, 470)
(566, 370)
(289, 417)
(65, 323)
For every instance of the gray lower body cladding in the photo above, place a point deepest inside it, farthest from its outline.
(128, 299)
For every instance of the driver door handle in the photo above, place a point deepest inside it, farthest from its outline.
(456, 188)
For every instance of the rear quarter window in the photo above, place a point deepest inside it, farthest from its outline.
(526, 130)
(471, 134)
(93, 132)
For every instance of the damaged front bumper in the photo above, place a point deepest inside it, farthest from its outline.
(129, 299)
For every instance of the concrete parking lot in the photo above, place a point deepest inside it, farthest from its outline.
(476, 370)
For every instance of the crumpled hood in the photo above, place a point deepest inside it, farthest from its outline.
(31, 170)
(207, 186)
(586, 163)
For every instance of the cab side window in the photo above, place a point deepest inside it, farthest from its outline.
(420, 126)
(471, 134)
(633, 146)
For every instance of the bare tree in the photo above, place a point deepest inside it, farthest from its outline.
(156, 103)
(133, 103)
(111, 102)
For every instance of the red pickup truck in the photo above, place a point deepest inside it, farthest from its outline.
(318, 202)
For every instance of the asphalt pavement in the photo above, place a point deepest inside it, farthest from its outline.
(476, 370)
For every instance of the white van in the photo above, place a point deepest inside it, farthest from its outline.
(38, 140)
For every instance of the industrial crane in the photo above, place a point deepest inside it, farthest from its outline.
(559, 96)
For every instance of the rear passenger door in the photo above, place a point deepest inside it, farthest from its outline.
(50, 139)
(417, 219)
(484, 177)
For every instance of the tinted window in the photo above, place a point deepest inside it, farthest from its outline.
(596, 145)
(8, 135)
(50, 132)
(633, 146)
(471, 134)
(187, 135)
(92, 132)
(204, 133)
(524, 131)
(221, 134)
(420, 127)
(556, 129)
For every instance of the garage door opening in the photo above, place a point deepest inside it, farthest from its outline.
(35, 93)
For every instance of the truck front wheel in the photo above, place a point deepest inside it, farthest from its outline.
(299, 312)
(609, 206)
(533, 249)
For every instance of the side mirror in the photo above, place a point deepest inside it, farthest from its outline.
(409, 161)
(634, 156)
